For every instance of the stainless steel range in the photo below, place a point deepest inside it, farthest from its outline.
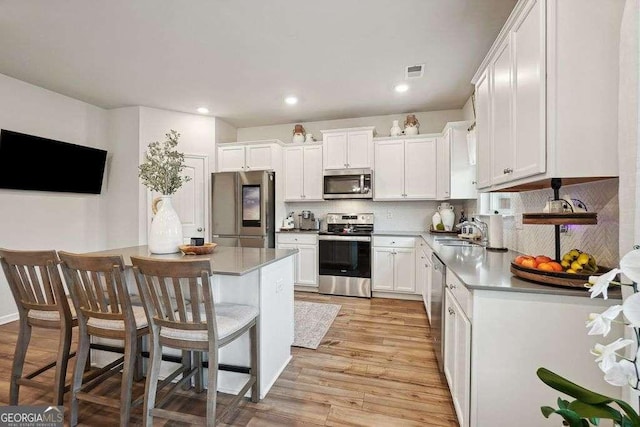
(345, 255)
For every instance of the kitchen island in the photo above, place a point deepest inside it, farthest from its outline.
(254, 276)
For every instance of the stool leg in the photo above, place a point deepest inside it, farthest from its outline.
(186, 362)
(151, 387)
(138, 372)
(24, 336)
(212, 387)
(199, 376)
(82, 355)
(255, 363)
(64, 348)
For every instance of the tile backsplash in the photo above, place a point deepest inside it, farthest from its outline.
(600, 240)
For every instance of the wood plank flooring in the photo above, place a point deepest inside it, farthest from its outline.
(375, 367)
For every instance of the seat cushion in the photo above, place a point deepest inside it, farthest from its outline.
(229, 319)
(138, 314)
(51, 315)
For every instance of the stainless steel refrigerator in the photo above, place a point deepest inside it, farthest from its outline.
(243, 209)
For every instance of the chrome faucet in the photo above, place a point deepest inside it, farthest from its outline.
(480, 225)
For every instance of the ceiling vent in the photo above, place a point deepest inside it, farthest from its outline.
(414, 71)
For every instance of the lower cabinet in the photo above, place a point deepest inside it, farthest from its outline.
(394, 264)
(423, 275)
(306, 259)
(457, 356)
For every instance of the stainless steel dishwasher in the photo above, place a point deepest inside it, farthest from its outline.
(437, 308)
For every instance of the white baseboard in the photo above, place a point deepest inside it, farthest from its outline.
(9, 318)
(304, 288)
(392, 295)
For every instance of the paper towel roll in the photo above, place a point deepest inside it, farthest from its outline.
(495, 231)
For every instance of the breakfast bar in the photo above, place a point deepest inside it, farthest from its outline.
(253, 276)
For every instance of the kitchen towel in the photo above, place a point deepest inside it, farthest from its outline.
(495, 231)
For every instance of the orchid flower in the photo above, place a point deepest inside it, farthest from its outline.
(630, 265)
(631, 309)
(606, 354)
(621, 373)
(600, 324)
(601, 283)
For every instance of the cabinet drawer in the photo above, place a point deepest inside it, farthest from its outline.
(461, 293)
(298, 238)
(394, 242)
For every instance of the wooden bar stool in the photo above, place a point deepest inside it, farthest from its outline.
(34, 280)
(202, 326)
(98, 288)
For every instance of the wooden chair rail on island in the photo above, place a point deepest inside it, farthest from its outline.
(98, 288)
(177, 297)
(36, 286)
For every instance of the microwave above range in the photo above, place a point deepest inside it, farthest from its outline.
(348, 184)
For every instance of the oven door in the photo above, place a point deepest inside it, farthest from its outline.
(348, 184)
(345, 256)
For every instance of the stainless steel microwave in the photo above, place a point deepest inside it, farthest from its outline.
(348, 184)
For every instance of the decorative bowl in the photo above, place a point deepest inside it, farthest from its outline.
(207, 248)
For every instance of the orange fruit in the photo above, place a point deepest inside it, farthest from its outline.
(543, 258)
(521, 258)
(556, 266)
(545, 266)
(529, 262)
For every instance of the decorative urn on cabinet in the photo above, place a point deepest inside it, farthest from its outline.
(298, 134)
(411, 125)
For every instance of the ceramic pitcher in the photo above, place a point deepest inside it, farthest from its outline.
(447, 215)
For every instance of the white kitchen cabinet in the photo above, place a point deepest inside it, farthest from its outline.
(249, 156)
(549, 81)
(457, 356)
(394, 262)
(456, 177)
(306, 260)
(303, 173)
(443, 166)
(423, 275)
(348, 148)
(405, 169)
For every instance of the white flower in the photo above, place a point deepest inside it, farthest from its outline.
(621, 373)
(606, 354)
(630, 265)
(600, 324)
(601, 283)
(631, 309)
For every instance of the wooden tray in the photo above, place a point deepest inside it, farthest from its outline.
(207, 248)
(554, 277)
(432, 230)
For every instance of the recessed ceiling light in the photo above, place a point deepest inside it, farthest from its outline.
(402, 87)
(291, 100)
(203, 110)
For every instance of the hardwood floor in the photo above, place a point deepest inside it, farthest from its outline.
(375, 367)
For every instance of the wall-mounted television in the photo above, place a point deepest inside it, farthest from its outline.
(30, 162)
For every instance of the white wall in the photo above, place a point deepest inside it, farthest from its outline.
(430, 122)
(46, 220)
(467, 110)
(225, 132)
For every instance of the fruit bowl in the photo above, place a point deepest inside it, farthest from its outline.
(558, 278)
(207, 248)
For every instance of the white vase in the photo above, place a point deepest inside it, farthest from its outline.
(395, 129)
(297, 138)
(165, 234)
(447, 215)
(411, 130)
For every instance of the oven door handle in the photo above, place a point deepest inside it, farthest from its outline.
(346, 238)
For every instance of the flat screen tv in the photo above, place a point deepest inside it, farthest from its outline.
(29, 162)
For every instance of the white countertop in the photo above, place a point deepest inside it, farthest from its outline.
(224, 260)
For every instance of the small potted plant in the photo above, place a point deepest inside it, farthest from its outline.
(161, 172)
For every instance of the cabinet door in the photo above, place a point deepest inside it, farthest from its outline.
(307, 265)
(426, 292)
(404, 270)
(420, 174)
(389, 176)
(335, 150)
(231, 159)
(312, 173)
(258, 157)
(293, 173)
(503, 143)
(529, 91)
(296, 258)
(462, 367)
(483, 130)
(463, 174)
(382, 269)
(443, 150)
(449, 338)
(359, 149)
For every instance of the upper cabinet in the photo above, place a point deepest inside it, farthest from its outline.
(248, 156)
(443, 166)
(348, 148)
(456, 176)
(548, 88)
(303, 173)
(405, 169)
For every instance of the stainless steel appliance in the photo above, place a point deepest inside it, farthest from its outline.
(437, 308)
(344, 255)
(308, 221)
(243, 209)
(348, 184)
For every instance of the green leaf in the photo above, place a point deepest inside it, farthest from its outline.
(547, 411)
(595, 421)
(586, 410)
(563, 385)
(571, 417)
(634, 419)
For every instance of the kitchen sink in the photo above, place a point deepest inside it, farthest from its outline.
(455, 241)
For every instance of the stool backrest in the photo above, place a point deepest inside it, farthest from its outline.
(98, 286)
(34, 280)
(176, 294)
